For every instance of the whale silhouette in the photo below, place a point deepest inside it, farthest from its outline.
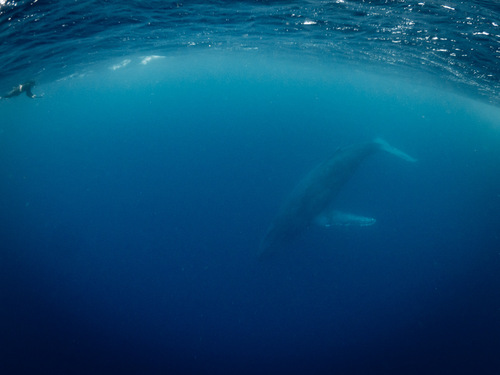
(310, 201)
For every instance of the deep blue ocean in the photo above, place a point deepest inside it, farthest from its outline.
(137, 185)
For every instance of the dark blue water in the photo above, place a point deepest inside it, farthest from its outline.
(137, 186)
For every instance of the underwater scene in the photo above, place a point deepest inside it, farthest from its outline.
(249, 187)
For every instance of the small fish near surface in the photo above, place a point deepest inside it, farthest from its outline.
(311, 200)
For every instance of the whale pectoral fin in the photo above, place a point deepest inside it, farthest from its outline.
(339, 218)
(394, 151)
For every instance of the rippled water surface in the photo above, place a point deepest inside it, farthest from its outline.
(453, 42)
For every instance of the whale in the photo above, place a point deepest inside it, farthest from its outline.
(311, 201)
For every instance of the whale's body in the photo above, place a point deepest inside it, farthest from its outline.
(311, 199)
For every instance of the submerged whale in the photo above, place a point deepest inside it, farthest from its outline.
(310, 201)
